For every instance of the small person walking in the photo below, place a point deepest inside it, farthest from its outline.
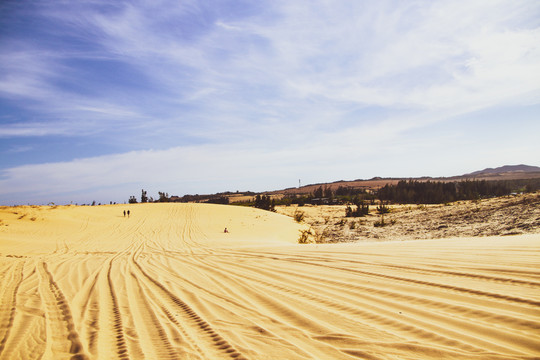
(128, 213)
(124, 213)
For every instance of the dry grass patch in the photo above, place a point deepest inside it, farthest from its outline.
(509, 215)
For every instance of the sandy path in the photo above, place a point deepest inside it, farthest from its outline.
(167, 283)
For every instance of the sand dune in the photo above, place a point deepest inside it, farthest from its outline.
(167, 283)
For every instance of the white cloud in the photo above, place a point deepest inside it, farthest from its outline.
(35, 129)
(179, 169)
(442, 55)
(305, 79)
(19, 149)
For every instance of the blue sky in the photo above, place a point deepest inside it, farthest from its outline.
(99, 99)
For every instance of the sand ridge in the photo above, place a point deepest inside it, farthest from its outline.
(168, 283)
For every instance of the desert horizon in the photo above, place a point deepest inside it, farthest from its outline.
(289, 121)
(167, 282)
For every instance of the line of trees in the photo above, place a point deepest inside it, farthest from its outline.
(144, 198)
(405, 192)
(265, 202)
(325, 195)
(362, 209)
(164, 197)
(436, 192)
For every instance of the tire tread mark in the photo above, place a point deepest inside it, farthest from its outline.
(465, 313)
(209, 334)
(57, 311)
(430, 284)
(495, 279)
(165, 347)
(8, 306)
(338, 308)
(120, 341)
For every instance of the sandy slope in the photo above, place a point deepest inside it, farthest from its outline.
(508, 215)
(167, 283)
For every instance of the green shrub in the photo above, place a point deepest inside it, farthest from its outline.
(298, 216)
(304, 236)
(383, 208)
(362, 209)
(382, 223)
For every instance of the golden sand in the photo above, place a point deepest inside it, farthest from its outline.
(168, 283)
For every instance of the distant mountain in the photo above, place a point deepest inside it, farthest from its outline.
(507, 172)
(506, 169)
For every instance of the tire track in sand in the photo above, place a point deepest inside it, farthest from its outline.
(199, 328)
(87, 300)
(510, 299)
(110, 329)
(437, 325)
(25, 340)
(447, 273)
(256, 305)
(406, 294)
(157, 344)
(62, 338)
(145, 325)
(357, 312)
(8, 302)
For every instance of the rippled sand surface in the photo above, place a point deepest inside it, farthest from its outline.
(168, 283)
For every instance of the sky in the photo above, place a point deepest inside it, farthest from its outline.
(100, 99)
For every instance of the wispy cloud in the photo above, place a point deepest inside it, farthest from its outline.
(34, 129)
(175, 169)
(428, 55)
(18, 149)
(309, 78)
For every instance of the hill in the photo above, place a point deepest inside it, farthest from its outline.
(66, 228)
(507, 172)
(514, 171)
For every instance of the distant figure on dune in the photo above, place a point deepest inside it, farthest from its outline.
(128, 213)
(124, 213)
(225, 231)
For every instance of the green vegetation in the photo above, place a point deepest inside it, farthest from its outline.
(265, 202)
(362, 209)
(435, 192)
(299, 216)
(404, 192)
(144, 197)
(304, 236)
(383, 208)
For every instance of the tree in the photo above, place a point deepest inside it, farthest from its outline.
(328, 193)
(163, 196)
(144, 197)
(132, 199)
(319, 193)
(383, 208)
(362, 209)
(223, 200)
(264, 202)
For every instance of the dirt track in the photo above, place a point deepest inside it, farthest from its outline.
(169, 284)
